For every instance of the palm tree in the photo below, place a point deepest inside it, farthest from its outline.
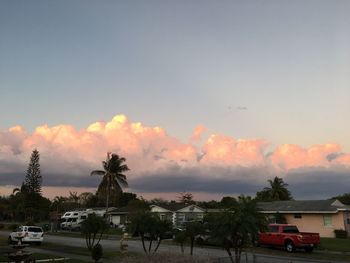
(113, 178)
(236, 227)
(278, 190)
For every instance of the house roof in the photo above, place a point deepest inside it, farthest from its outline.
(175, 206)
(304, 206)
(118, 211)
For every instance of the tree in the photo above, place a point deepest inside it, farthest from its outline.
(33, 179)
(228, 202)
(193, 230)
(344, 198)
(150, 226)
(93, 228)
(113, 178)
(186, 198)
(236, 227)
(276, 192)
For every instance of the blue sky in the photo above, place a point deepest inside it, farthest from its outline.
(272, 70)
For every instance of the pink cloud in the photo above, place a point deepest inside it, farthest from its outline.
(289, 156)
(198, 132)
(229, 151)
(65, 150)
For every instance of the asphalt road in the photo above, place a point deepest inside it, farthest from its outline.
(218, 255)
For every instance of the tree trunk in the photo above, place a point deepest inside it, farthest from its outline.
(150, 246)
(192, 244)
(227, 248)
(158, 244)
(143, 243)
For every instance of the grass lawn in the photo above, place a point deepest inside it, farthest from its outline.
(83, 251)
(335, 244)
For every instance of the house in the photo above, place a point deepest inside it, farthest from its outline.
(178, 213)
(321, 216)
(117, 216)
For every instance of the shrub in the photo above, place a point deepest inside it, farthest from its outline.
(340, 233)
(2, 226)
(97, 252)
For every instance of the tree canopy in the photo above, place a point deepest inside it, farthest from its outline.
(113, 179)
(277, 191)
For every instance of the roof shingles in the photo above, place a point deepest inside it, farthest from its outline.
(306, 206)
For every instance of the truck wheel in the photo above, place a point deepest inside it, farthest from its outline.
(309, 249)
(289, 246)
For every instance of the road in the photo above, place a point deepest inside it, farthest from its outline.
(136, 246)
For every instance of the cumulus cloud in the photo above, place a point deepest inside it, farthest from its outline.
(161, 162)
(198, 132)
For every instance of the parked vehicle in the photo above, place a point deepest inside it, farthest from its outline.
(27, 234)
(73, 220)
(288, 236)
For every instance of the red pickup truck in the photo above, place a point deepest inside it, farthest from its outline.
(288, 236)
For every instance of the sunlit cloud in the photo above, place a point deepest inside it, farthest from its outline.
(68, 155)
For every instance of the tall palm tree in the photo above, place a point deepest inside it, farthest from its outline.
(278, 190)
(113, 178)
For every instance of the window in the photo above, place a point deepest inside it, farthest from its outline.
(162, 216)
(348, 221)
(35, 229)
(327, 220)
(200, 216)
(273, 229)
(297, 215)
(180, 217)
(290, 229)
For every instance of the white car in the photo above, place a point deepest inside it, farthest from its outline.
(27, 234)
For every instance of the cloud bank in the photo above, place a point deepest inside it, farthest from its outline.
(159, 162)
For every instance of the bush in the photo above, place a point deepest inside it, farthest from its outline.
(2, 226)
(97, 252)
(339, 233)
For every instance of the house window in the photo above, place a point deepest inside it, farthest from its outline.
(327, 220)
(297, 215)
(181, 218)
(200, 216)
(162, 216)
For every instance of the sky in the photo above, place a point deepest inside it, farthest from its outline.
(209, 97)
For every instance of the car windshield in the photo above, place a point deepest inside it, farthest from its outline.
(290, 229)
(35, 229)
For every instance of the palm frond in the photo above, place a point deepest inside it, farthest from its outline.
(98, 172)
(122, 181)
